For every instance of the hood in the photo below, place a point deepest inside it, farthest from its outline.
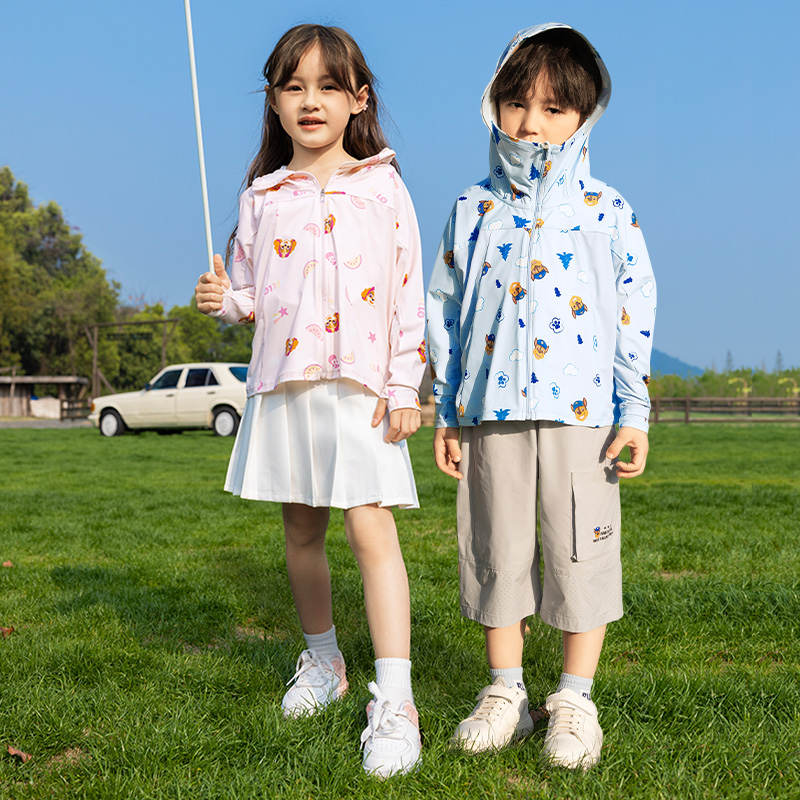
(526, 172)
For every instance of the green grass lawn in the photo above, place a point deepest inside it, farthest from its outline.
(155, 630)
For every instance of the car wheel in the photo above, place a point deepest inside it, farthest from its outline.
(111, 424)
(226, 422)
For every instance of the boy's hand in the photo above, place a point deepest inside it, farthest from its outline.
(210, 287)
(638, 443)
(447, 451)
(402, 421)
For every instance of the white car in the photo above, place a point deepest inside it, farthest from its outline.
(207, 395)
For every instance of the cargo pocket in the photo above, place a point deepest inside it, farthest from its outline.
(595, 515)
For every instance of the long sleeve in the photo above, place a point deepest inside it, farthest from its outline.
(445, 295)
(238, 302)
(636, 311)
(407, 327)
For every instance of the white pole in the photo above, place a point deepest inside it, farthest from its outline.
(199, 129)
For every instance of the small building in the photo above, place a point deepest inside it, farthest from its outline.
(16, 394)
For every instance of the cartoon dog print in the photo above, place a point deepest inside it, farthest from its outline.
(517, 292)
(421, 350)
(490, 343)
(368, 295)
(449, 259)
(625, 320)
(284, 247)
(540, 348)
(291, 344)
(332, 323)
(484, 206)
(486, 267)
(547, 166)
(578, 306)
(330, 221)
(592, 198)
(634, 221)
(249, 319)
(538, 270)
(580, 410)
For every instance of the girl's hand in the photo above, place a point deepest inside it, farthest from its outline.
(447, 451)
(402, 421)
(210, 287)
(638, 444)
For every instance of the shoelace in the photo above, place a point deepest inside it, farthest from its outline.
(312, 667)
(384, 720)
(566, 719)
(490, 706)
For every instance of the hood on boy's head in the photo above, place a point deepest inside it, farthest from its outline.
(487, 106)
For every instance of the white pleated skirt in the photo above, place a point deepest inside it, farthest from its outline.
(312, 442)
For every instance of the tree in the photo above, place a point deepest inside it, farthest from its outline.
(53, 286)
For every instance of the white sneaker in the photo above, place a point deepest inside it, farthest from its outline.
(500, 716)
(574, 737)
(318, 681)
(391, 739)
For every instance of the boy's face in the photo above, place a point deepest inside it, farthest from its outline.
(537, 117)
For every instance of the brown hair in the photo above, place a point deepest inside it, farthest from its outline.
(346, 64)
(565, 58)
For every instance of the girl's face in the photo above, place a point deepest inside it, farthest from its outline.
(537, 117)
(314, 110)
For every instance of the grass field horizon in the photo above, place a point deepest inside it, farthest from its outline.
(154, 631)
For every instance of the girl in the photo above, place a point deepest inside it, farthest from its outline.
(326, 264)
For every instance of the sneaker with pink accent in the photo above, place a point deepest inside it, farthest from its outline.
(391, 739)
(574, 738)
(318, 681)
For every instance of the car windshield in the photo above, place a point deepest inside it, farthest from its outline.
(240, 373)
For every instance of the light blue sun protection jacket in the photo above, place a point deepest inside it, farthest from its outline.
(542, 300)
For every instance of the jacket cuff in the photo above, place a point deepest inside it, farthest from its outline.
(634, 421)
(446, 416)
(401, 397)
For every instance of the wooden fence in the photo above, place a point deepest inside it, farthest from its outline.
(725, 409)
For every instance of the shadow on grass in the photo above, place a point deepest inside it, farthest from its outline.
(229, 603)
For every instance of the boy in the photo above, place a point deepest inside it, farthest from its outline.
(540, 315)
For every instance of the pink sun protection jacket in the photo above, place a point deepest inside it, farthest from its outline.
(332, 279)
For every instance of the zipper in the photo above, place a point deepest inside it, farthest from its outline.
(322, 267)
(532, 248)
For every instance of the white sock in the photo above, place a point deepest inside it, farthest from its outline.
(581, 686)
(324, 643)
(512, 677)
(393, 676)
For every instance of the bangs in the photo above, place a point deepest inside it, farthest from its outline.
(562, 59)
(287, 54)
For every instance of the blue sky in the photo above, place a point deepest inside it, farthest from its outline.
(98, 117)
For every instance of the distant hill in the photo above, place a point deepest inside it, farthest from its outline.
(667, 365)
